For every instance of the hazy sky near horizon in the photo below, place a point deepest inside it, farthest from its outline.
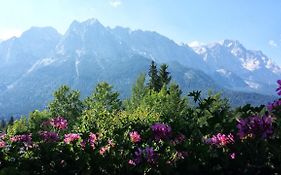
(256, 24)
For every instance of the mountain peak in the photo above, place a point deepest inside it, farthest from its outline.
(39, 31)
(40, 34)
(231, 43)
(89, 22)
(92, 21)
(80, 27)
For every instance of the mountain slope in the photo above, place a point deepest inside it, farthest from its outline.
(249, 70)
(17, 55)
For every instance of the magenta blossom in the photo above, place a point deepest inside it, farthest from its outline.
(220, 140)
(135, 137)
(2, 136)
(137, 157)
(132, 162)
(59, 123)
(103, 150)
(149, 154)
(83, 144)
(68, 138)
(2, 144)
(92, 139)
(21, 138)
(274, 104)
(49, 136)
(232, 156)
(255, 126)
(161, 131)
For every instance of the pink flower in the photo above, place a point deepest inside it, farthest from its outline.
(92, 139)
(68, 138)
(161, 131)
(135, 137)
(255, 126)
(2, 144)
(59, 123)
(131, 162)
(220, 140)
(181, 155)
(2, 136)
(102, 150)
(232, 156)
(24, 138)
(49, 136)
(111, 143)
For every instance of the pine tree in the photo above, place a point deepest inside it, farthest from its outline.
(3, 124)
(164, 77)
(153, 83)
(11, 121)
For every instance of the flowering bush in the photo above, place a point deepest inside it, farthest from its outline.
(141, 138)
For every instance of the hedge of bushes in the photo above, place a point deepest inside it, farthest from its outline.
(152, 132)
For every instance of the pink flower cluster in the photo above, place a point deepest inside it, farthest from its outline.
(232, 156)
(49, 136)
(2, 136)
(255, 126)
(220, 140)
(274, 104)
(92, 139)
(161, 131)
(2, 144)
(135, 137)
(26, 139)
(147, 154)
(59, 123)
(107, 147)
(68, 138)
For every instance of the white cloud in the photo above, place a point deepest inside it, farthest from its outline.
(195, 44)
(6, 33)
(272, 43)
(115, 3)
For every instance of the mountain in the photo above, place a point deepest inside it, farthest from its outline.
(17, 55)
(41, 60)
(240, 68)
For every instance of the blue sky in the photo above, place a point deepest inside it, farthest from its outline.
(255, 23)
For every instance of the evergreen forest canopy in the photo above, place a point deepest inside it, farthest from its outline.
(155, 131)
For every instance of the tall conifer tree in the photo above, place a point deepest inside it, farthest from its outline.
(164, 77)
(154, 78)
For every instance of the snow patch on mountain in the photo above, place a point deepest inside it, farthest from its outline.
(252, 84)
(250, 64)
(42, 62)
(223, 72)
(76, 66)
